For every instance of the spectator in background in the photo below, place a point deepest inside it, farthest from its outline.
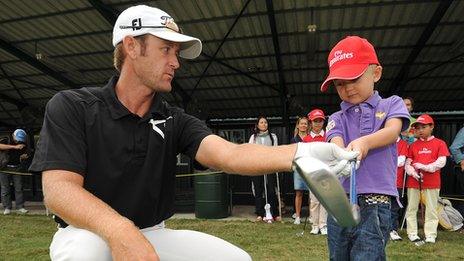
(426, 157)
(17, 153)
(263, 187)
(408, 135)
(317, 211)
(457, 149)
(397, 211)
(301, 131)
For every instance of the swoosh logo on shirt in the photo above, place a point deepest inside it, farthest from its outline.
(156, 128)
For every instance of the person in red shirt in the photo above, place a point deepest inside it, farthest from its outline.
(426, 156)
(396, 210)
(317, 212)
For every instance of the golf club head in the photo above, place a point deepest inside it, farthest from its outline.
(325, 185)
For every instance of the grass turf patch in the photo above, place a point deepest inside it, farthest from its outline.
(28, 238)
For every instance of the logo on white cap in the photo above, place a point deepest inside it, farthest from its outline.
(340, 55)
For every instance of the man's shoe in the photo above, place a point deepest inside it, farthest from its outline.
(394, 236)
(414, 238)
(294, 216)
(22, 211)
(430, 240)
(324, 231)
(314, 231)
(297, 221)
(7, 211)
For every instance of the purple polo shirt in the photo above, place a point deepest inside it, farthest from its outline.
(377, 172)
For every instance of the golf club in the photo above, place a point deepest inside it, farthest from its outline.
(421, 242)
(353, 194)
(300, 234)
(278, 197)
(267, 207)
(327, 189)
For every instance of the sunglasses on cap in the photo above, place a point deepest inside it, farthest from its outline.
(170, 26)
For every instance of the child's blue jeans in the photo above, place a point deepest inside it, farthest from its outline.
(367, 240)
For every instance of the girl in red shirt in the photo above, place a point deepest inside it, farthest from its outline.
(317, 212)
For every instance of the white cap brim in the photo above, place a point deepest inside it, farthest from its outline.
(190, 47)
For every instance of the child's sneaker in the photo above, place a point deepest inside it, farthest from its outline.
(430, 240)
(297, 221)
(324, 231)
(7, 211)
(22, 211)
(314, 231)
(394, 236)
(414, 238)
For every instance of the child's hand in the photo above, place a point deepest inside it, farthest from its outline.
(415, 175)
(359, 145)
(418, 166)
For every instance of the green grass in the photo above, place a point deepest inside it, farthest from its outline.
(28, 238)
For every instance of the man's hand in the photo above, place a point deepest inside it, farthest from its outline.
(329, 153)
(462, 165)
(343, 167)
(19, 146)
(128, 243)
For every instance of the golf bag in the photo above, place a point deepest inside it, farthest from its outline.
(448, 217)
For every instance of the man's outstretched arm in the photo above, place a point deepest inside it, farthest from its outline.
(253, 159)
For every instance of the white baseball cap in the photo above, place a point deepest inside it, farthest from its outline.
(142, 19)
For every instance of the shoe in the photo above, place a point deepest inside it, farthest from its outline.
(259, 218)
(314, 231)
(430, 240)
(7, 211)
(294, 216)
(324, 231)
(394, 236)
(269, 221)
(297, 221)
(278, 218)
(414, 238)
(22, 211)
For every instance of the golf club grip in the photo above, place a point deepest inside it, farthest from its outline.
(353, 194)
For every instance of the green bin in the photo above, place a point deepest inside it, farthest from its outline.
(211, 196)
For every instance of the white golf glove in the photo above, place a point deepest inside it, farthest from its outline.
(412, 172)
(329, 153)
(343, 167)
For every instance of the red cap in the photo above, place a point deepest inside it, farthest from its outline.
(316, 114)
(423, 119)
(349, 59)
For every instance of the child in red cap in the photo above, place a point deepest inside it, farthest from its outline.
(317, 211)
(397, 210)
(369, 124)
(426, 156)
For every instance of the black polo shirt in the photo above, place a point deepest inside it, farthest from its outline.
(126, 161)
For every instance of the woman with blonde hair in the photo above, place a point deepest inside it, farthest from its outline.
(301, 131)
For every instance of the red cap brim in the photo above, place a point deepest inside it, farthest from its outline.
(317, 117)
(344, 73)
